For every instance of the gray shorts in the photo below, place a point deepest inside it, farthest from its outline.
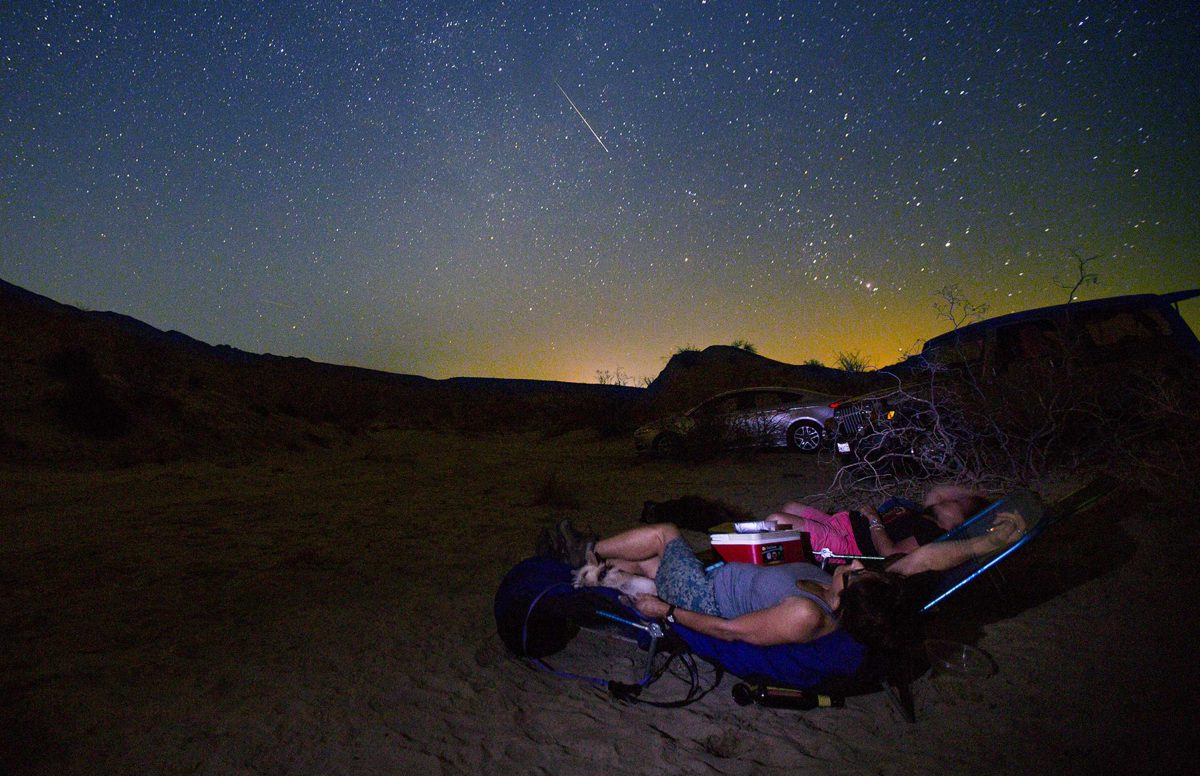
(681, 580)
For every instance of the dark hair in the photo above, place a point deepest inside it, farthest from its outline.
(880, 611)
(971, 506)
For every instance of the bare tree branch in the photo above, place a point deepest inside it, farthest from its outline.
(1083, 276)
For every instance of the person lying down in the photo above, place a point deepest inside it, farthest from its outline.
(767, 605)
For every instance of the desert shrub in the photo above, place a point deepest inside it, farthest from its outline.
(1007, 431)
(745, 345)
(813, 362)
(1039, 417)
(852, 362)
(86, 404)
(616, 377)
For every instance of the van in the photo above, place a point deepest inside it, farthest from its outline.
(1116, 330)
(1035, 371)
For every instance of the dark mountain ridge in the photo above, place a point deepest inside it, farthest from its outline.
(105, 388)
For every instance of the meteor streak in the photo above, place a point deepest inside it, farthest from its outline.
(585, 121)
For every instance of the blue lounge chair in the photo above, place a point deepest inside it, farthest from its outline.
(1024, 502)
(1038, 518)
(538, 612)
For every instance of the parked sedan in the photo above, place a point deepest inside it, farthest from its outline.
(749, 417)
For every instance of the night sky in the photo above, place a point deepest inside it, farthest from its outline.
(548, 189)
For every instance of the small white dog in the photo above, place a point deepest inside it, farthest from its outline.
(603, 574)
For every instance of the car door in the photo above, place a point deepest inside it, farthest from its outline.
(716, 418)
(730, 420)
(743, 423)
(772, 418)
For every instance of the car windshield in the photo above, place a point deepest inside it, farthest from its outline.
(746, 400)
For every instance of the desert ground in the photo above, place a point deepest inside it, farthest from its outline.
(330, 611)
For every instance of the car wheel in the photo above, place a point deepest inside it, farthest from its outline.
(805, 436)
(667, 445)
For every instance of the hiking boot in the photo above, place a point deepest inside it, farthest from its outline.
(550, 545)
(574, 545)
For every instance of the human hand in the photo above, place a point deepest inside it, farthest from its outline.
(783, 521)
(1006, 529)
(651, 606)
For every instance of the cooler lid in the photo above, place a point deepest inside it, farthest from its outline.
(765, 537)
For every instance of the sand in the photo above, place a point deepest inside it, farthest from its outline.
(331, 612)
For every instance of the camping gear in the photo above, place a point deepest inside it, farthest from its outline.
(1024, 502)
(825, 554)
(784, 697)
(766, 548)
(538, 612)
(1038, 517)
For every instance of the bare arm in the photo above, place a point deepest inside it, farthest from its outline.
(879, 536)
(785, 521)
(790, 516)
(1007, 528)
(794, 621)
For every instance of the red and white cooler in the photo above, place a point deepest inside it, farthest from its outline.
(768, 548)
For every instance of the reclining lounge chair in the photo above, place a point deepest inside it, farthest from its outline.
(538, 612)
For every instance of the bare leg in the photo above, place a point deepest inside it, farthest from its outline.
(795, 515)
(801, 517)
(787, 519)
(832, 532)
(638, 550)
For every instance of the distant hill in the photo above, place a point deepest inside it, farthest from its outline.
(693, 375)
(83, 387)
(104, 388)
